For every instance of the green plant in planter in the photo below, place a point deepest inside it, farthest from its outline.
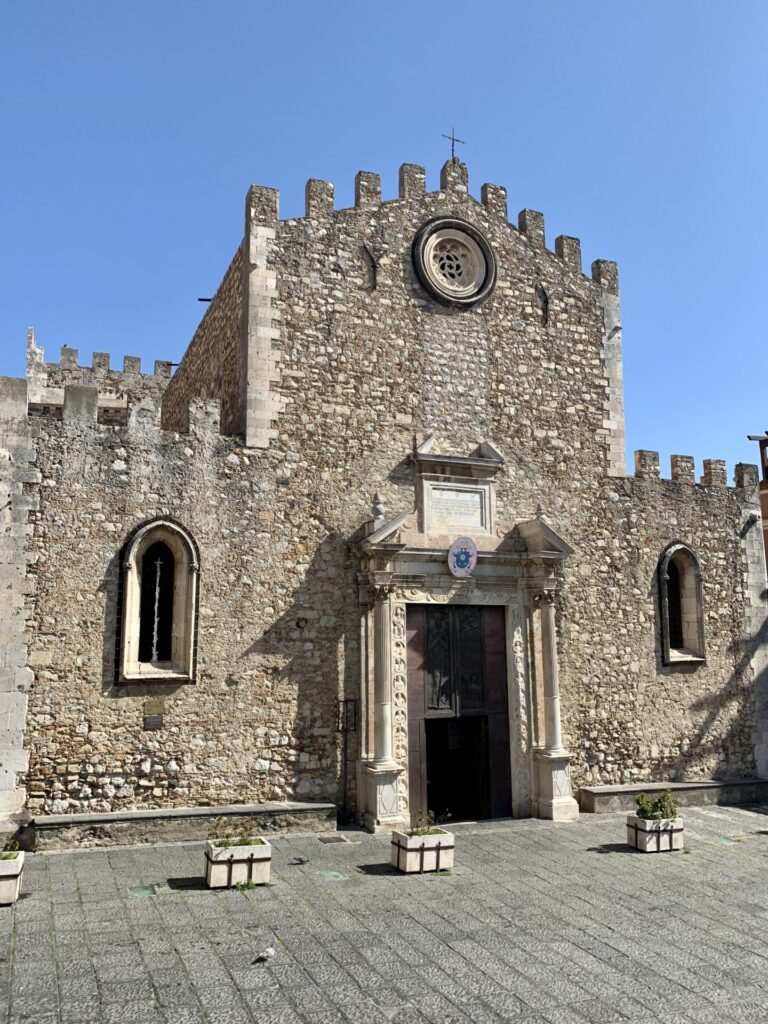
(661, 807)
(221, 834)
(428, 824)
(10, 850)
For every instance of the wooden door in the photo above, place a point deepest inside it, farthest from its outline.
(457, 670)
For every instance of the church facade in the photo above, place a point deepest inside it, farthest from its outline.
(373, 542)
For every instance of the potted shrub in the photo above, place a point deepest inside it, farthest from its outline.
(241, 860)
(655, 828)
(11, 866)
(427, 847)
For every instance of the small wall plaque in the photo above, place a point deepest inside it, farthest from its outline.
(154, 710)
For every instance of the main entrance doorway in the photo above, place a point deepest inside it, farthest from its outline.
(458, 724)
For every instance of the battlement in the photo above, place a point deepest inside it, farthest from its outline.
(86, 405)
(683, 471)
(263, 210)
(118, 391)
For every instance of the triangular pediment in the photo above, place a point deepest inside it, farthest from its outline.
(541, 540)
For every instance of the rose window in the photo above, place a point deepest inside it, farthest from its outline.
(454, 262)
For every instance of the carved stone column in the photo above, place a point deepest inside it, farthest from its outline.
(382, 775)
(555, 795)
(382, 645)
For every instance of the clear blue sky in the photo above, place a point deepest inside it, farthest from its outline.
(129, 133)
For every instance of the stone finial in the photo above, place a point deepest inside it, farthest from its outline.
(454, 176)
(646, 465)
(569, 251)
(746, 476)
(367, 189)
(714, 473)
(318, 197)
(606, 274)
(412, 181)
(531, 224)
(261, 207)
(683, 469)
(494, 199)
(378, 508)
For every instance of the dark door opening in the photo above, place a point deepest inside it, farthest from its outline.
(458, 726)
(457, 768)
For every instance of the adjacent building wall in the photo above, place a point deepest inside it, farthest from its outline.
(210, 368)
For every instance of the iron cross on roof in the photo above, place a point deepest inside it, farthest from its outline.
(453, 140)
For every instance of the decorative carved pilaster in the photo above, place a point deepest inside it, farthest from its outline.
(400, 700)
(544, 600)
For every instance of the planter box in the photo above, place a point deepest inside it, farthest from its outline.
(225, 866)
(422, 853)
(654, 836)
(10, 878)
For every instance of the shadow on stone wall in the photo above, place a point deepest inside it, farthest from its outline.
(324, 612)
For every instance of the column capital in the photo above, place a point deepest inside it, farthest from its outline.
(544, 597)
(379, 592)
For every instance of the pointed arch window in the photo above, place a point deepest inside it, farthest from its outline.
(680, 605)
(158, 614)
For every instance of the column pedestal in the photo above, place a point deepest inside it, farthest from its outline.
(382, 789)
(556, 801)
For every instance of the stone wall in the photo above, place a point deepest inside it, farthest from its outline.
(18, 485)
(368, 362)
(210, 368)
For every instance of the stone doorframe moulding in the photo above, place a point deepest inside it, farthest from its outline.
(523, 583)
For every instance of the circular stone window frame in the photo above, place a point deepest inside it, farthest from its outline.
(451, 227)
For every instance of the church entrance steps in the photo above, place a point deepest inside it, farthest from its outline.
(605, 799)
(178, 824)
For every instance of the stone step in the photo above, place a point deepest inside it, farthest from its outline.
(604, 799)
(177, 824)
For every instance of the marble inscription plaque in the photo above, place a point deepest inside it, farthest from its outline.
(454, 508)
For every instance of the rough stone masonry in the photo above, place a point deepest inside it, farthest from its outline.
(323, 362)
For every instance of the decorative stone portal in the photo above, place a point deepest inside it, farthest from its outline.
(459, 677)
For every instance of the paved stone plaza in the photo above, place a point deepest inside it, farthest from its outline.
(540, 922)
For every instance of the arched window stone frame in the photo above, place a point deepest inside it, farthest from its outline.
(691, 610)
(182, 666)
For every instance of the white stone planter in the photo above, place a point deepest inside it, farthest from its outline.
(225, 866)
(10, 878)
(422, 853)
(654, 836)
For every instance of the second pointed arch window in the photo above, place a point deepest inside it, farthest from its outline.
(680, 605)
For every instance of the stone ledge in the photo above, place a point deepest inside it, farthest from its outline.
(173, 824)
(606, 799)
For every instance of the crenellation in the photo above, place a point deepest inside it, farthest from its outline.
(262, 206)
(606, 274)
(531, 224)
(163, 368)
(746, 476)
(494, 199)
(412, 181)
(132, 365)
(68, 358)
(646, 464)
(683, 469)
(367, 190)
(714, 474)
(100, 362)
(454, 177)
(568, 249)
(318, 196)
